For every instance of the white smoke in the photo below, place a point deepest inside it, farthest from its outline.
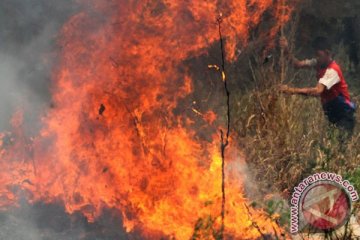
(28, 32)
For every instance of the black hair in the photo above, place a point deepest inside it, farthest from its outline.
(321, 43)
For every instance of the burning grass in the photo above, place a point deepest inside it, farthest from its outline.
(113, 138)
(119, 137)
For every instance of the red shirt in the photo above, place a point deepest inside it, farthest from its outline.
(340, 87)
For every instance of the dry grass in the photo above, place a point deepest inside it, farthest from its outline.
(286, 137)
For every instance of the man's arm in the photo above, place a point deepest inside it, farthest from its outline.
(308, 63)
(312, 91)
(296, 62)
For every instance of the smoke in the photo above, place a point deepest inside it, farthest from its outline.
(50, 222)
(17, 226)
(28, 32)
(29, 29)
(28, 52)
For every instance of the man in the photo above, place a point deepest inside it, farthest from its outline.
(331, 87)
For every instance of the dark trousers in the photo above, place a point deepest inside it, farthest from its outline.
(342, 115)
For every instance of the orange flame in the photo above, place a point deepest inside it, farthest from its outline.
(135, 153)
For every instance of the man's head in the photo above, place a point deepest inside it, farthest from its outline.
(323, 51)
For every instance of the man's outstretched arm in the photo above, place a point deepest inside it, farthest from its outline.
(284, 44)
(312, 91)
(308, 63)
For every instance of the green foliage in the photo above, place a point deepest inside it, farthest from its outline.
(205, 229)
(277, 209)
(354, 178)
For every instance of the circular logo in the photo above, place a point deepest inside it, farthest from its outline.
(326, 206)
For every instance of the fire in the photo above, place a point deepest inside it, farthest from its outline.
(114, 138)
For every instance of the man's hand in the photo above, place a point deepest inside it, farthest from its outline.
(284, 44)
(312, 91)
(285, 88)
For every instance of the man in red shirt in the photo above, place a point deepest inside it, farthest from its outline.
(331, 87)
